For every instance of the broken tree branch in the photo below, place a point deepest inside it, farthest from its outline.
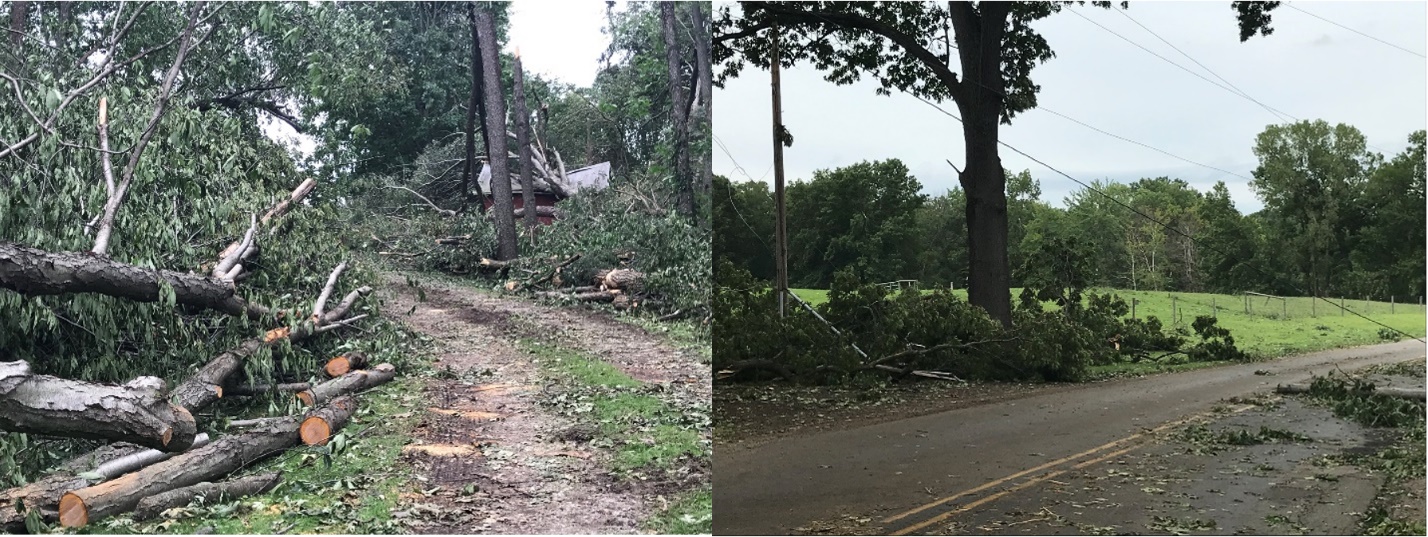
(135, 412)
(206, 492)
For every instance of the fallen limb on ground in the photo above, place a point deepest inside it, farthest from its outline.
(136, 412)
(219, 458)
(206, 385)
(1403, 393)
(352, 382)
(260, 389)
(209, 492)
(43, 495)
(34, 272)
(624, 279)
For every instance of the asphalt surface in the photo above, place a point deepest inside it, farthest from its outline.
(940, 463)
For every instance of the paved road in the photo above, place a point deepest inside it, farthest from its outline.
(894, 467)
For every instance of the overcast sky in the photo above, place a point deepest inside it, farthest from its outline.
(1309, 68)
(560, 39)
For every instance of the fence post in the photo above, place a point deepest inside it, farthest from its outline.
(1214, 310)
(1284, 305)
(1247, 308)
(1341, 307)
(1134, 301)
(1314, 306)
(1173, 317)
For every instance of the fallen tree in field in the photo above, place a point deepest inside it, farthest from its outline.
(136, 412)
(81, 506)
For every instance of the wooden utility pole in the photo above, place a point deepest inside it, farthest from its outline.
(780, 224)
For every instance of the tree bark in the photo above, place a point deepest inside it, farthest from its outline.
(979, 98)
(219, 458)
(679, 111)
(135, 412)
(624, 279)
(468, 175)
(523, 141)
(1401, 393)
(321, 423)
(705, 84)
(19, 19)
(134, 461)
(155, 505)
(353, 382)
(496, 123)
(33, 272)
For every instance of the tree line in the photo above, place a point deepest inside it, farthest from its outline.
(1338, 220)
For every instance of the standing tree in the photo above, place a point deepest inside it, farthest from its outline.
(476, 103)
(683, 179)
(523, 139)
(495, 117)
(908, 46)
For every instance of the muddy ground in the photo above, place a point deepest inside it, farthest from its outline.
(489, 457)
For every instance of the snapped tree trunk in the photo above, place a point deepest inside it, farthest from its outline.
(523, 141)
(705, 88)
(219, 458)
(680, 112)
(136, 412)
(495, 113)
(468, 175)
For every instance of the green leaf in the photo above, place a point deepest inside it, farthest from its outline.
(53, 98)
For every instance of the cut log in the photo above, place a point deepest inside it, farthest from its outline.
(494, 264)
(135, 412)
(260, 389)
(1402, 393)
(625, 279)
(541, 210)
(210, 492)
(134, 461)
(34, 272)
(591, 296)
(43, 495)
(321, 423)
(219, 458)
(352, 382)
(344, 363)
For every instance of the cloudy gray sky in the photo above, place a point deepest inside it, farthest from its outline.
(1309, 68)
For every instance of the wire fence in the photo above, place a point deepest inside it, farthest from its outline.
(1184, 307)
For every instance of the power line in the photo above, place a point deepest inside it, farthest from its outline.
(1167, 226)
(1296, 8)
(1277, 112)
(1202, 66)
(1236, 93)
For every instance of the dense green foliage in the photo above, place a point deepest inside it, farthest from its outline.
(1345, 225)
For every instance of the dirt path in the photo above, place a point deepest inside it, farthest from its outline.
(491, 458)
(952, 463)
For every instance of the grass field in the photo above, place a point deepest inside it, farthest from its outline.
(1273, 327)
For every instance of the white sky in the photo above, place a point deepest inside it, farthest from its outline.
(1308, 68)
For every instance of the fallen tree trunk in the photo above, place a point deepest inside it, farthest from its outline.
(210, 492)
(260, 389)
(1402, 393)
(344, 363)
(541, 210)
(494, 264)
(591, 296)
(219, 458)
(624, 279)
(43, 495)
(34, 272)
(321, 423)
(135, 412)
(353, 382)
(140, 459)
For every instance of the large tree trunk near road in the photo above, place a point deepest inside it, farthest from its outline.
(682, 177)
(210, 492)
(135, 412)
(496, 123)
(979, 46)
(219, 458)
(34, 272)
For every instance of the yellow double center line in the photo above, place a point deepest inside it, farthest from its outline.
(1035, 480)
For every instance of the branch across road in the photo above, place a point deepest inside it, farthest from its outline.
(910, 474)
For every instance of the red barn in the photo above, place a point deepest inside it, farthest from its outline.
(590, 177)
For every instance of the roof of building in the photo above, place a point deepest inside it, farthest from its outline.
(590, 177)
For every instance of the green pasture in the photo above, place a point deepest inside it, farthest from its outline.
(1263, 327)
